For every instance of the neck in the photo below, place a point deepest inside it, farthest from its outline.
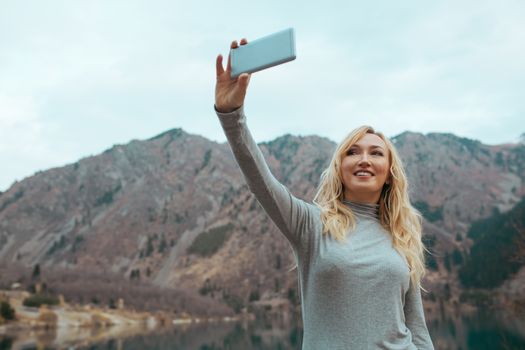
(363, 197)
(369, 210)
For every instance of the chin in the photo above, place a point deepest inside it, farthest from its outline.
(360, 188)
(363, 191)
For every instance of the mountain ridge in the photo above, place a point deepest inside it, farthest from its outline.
(141, 206)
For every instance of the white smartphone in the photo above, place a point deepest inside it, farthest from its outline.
(262, 53)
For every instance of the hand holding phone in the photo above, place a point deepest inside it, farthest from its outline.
(232, 83)
(230, 93)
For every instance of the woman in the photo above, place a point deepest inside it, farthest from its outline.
(358, 247)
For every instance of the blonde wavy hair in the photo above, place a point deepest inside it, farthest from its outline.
(396, 213)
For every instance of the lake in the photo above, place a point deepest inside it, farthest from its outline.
(485, 330)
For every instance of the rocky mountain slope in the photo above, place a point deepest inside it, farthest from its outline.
(174, 210)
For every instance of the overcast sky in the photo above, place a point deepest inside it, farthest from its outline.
(77, 77)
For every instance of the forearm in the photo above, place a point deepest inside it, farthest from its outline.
(285, 210)
(415, 319)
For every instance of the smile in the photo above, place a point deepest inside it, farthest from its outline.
(363, 173)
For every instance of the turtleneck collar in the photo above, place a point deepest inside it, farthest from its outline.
(363, 209)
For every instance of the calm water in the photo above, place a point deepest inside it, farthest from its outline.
(485, 331)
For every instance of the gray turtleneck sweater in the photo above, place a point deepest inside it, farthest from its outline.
(355, 294)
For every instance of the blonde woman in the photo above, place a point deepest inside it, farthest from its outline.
(358, 246)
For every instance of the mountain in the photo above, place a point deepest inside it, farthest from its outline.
(498, 251)
(174, 210)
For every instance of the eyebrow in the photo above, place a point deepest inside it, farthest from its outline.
(372, 147)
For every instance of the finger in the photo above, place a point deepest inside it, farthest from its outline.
(218, 66)
(229, 65)
(244, 79)
(244, 41)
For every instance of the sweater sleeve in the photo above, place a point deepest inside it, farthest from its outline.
(290, 214)
(415, 319)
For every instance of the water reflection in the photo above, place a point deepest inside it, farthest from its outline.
(211, 337)
(485, 330)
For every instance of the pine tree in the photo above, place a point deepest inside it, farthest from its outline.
(6, 311)
(36, 271)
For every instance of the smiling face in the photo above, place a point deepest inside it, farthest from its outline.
(365, 168)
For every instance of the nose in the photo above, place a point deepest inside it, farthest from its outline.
(364, 159)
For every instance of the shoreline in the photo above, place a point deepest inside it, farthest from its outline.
(73, 325)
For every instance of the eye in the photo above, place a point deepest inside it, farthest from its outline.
(350, 152)
(377, 153)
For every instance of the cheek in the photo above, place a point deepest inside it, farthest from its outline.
(345, 169)
(346, 166)
(384, 169)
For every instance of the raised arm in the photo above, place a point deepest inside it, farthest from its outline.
(415, 319)
(291, 215)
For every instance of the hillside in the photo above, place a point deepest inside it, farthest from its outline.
(174, 210)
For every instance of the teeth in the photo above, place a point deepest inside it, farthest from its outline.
(363, 173)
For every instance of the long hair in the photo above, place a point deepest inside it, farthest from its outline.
(396, 214)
